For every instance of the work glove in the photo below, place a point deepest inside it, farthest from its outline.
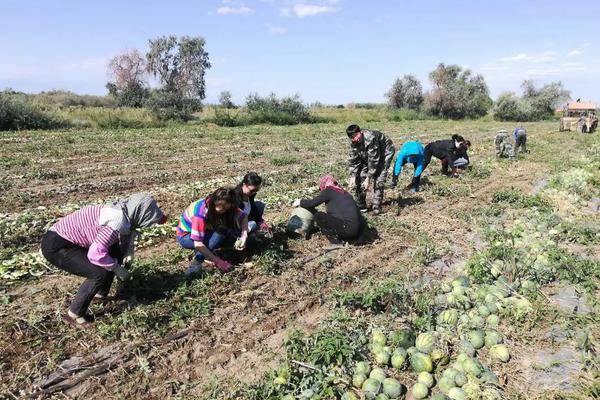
(394, 181)
(128, 261)
(296, 203)
(240, 244)
(122, 273)
(365, 184)
(224, 266)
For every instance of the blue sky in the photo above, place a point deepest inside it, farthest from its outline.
(333, 51)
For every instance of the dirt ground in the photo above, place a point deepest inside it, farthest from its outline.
(251, 310)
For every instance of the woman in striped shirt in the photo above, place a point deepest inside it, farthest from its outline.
(93, 242)
(210, 223)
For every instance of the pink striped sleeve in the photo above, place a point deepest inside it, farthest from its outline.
(98, 251)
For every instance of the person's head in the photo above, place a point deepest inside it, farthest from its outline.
(458, 140)
(355, 134)
(221, 200)
(251, 183)
(327, 181)
(465, 145)
(141, 210)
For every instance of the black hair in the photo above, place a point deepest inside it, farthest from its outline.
(226, 220)
(458, 138)
(352, 129)
(253, 179)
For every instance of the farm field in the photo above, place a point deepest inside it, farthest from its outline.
(291, 309)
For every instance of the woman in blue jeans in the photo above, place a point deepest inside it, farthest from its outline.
(210, 223)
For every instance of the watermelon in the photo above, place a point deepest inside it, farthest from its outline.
(346, 396)
(426, 378)
(448, 317)
(477, 338)
(403, 338)
(445, 384)
(382, 396)
(472, 367)
(466, 347)
(378, 337)
(425, 342)
(371, 388)
(421, 362)
(457, 394)
(483, 311)
(420, 391)
(460, 379)
(493, 338)
(492, 320)
(377, 374)
(382, 358)
(362, 367)
(392, 387)
(438, 396)
(358, 379)
(500, 352)
(398, 359)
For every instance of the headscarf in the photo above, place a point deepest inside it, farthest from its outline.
(329, 181)
(140, 209)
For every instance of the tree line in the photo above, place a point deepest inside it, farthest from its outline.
(457, 93)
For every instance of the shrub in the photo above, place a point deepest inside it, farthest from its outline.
(167, 105)
(17, 113)
(273, 110)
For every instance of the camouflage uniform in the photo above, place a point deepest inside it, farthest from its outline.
(520, 135)
(504, 147)
(372, 157)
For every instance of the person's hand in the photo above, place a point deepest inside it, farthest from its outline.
(264, 227)
(365, 184)
(128, 261)
(122, 273)
(351, 183)
(224, 266)
(296, 203)
(240, 244)
(394, 181)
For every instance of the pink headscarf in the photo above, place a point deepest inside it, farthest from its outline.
(329, 181)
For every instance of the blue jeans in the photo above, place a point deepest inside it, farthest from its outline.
(253, 225)
(213, 240)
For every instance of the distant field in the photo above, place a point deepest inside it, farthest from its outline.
(217, 336)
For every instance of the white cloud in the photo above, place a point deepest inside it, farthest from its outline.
(242, 10)
(302, 10)
(277, 30)
(544, 57)
(573, 53)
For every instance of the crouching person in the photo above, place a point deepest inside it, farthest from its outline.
(414, 153)
(246, 192)
(211, 223)
(342, 221)
(93, 242)
(520, 135)
(504, 146)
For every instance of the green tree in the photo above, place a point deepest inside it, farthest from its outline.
(457, 93)
(180, 65)
(406, 93)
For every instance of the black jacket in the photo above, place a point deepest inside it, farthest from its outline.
(443, 149)
(254, 214)
(339, 205)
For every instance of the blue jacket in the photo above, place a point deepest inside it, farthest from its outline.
(519, 131)
(412, 152)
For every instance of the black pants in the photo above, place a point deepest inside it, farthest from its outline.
(521, 143)
(335, 229)
(427, 157)
(73, 259)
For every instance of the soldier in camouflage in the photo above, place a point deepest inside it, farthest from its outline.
(504, 146)
(371, 153)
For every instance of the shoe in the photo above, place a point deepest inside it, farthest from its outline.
(333, 246)
(87, 321)
(194, 268)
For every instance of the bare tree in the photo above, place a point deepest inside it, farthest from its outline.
(128, 74)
